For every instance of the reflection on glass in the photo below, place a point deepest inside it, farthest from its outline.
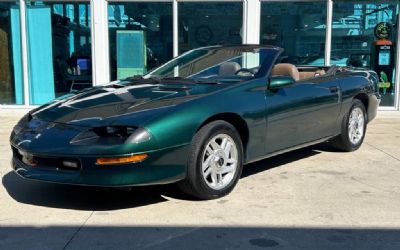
(59, 48)
(11, 86)
(202, 24)
(363, 35)
(140, 37)
(298, 27)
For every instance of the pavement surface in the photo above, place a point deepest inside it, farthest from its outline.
(313, 198)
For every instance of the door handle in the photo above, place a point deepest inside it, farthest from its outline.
(333, 89)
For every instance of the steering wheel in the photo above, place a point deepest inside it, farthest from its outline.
(247, 72)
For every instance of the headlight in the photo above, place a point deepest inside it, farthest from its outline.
(22, 122)
(140, 135)
(112, 135)
(109, 131)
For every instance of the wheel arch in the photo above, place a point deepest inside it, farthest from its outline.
(363, 97)
(236, 120)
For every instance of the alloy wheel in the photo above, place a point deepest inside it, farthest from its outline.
(356, 125)
(219, 161)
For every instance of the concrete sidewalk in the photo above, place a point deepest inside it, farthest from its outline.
(312, 198)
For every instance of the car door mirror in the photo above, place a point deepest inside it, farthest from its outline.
(277, 82)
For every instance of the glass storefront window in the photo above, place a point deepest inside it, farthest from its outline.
(11, 83)
(59, 48)
(140, 37)
(209, 23)
(59, 53)
(364, 35)
(298, 27)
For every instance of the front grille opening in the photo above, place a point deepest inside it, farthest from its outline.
(58, 163)
(55, 163)
(16, 154)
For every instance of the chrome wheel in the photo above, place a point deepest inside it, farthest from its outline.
(219, 161)
(356, 125)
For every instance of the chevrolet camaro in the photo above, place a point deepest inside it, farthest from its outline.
(195, 120)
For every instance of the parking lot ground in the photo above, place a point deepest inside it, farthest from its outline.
(313, 198)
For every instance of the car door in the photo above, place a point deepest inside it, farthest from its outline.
(302, 112)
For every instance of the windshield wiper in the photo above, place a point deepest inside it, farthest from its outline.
(173, 78)
(190, 80)
(141, 80)
(207, 82)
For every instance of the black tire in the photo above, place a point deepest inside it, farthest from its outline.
(194, 184)
(342, 142)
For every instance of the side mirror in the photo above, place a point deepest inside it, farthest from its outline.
(277, 82)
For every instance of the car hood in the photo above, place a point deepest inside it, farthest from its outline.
(118, 104)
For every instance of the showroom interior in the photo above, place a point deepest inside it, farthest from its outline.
(50, 48)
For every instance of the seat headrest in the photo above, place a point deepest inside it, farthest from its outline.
(286, 69)
(320, 72)
(229, 68)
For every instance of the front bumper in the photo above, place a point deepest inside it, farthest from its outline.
(162, 166)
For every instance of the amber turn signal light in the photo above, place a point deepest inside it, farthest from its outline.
(121, 160)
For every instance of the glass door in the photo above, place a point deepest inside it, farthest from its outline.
(140, 37)
(11, 83)
(298, 27)
(209, 23)
(59, 48)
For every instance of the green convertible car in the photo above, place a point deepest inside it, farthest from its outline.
(195, 120)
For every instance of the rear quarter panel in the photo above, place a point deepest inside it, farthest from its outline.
(354, 83)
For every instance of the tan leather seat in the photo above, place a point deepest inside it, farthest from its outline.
(286, 69)
(229, 69)
(307, 75)
(311, 74)
(320, 72)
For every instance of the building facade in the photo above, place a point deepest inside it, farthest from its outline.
(48, 48)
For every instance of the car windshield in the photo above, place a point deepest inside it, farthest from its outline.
(215, 63)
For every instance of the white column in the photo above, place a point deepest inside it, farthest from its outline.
(100, 47)
(175, 28)
(328, 38)
(24, 52)
(251, 22)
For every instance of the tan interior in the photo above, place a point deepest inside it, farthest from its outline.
(287, 69)
(229, 69)
(306, 74)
